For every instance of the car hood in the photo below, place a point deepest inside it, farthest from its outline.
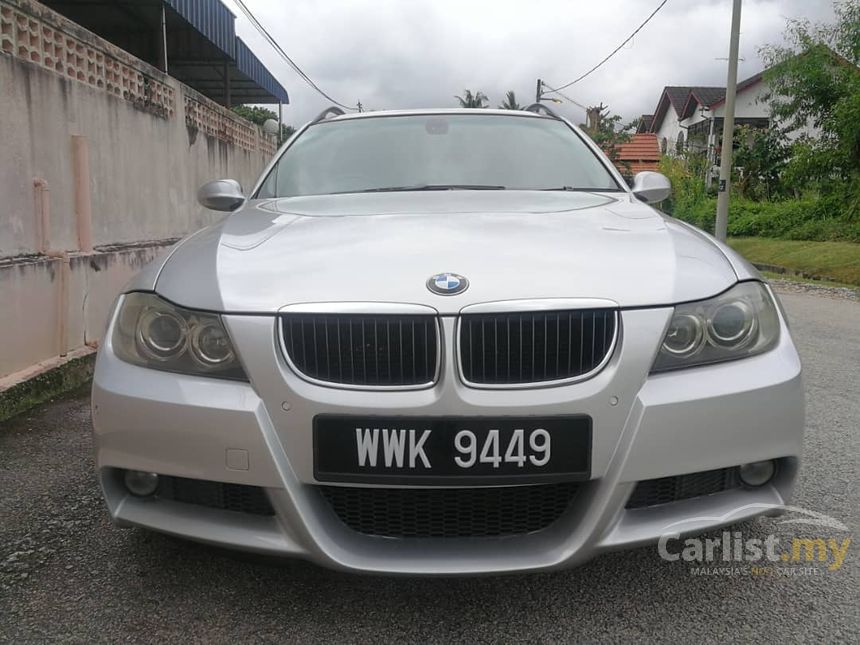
(383, 247)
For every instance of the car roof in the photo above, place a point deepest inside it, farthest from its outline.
(440, 111)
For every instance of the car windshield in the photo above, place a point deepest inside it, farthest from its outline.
(436, 152)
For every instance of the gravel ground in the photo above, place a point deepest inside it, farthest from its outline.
(797, 286)
(66, 574)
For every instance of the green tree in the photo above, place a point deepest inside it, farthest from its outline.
(510, 102)
(814, 79)
(254, 113)
(762, 153)
(469, 100)
(260, 115)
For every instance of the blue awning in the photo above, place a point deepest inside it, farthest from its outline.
(251, 66)
(217, 23)
(202, 49)
(212, 19)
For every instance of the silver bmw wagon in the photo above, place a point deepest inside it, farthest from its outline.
(445, 342)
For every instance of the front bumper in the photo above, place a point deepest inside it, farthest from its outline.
(645, 427)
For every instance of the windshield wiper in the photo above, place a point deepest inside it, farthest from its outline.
(578, 189)
(417, 187)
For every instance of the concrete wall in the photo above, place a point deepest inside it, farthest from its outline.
(52, 307)
(121, 164)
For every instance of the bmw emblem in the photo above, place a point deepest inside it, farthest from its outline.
(447, 284)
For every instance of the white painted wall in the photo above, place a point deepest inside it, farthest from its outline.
(749, 103)
(753, 102)
(669, 129)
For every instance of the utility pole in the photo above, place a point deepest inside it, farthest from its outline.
(360, 107)
(539, 91)
(722, 223)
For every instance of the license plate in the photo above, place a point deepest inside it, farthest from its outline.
(451, 450)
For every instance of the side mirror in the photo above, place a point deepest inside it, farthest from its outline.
(651, 187)
(221, 195)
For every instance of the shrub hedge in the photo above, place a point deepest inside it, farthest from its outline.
(793, 219)
(823, 215)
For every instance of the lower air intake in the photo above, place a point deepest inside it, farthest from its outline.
(450, 512)
(653, 492)
(228, 497)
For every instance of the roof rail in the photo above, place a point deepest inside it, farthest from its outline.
(325, 113)
(537, 108)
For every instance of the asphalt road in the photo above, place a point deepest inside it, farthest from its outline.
(67, 574)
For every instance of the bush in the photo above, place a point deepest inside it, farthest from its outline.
(820, 219)
(688, 186)
(767, 219)
(829, 213)
(701, 213)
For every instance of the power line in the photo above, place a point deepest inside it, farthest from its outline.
(284, 55)
(617, 49)
(564, 96)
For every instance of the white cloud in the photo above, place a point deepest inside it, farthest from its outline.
(419, 53)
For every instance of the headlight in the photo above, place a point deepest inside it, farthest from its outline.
(155, 333)
(740, 322)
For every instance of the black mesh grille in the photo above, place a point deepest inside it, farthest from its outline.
(534, 346)
(357, 349)
(672, 489)
(450, 512)
(229, 497)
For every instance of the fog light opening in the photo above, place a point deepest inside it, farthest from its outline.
(140, 483)
(757, 473)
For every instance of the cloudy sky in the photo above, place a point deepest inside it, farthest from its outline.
(393, 54)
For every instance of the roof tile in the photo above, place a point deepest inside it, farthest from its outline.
(642, 152)
(641, 147)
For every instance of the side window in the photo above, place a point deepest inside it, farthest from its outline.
(664, 145)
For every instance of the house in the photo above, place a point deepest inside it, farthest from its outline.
(641, 152)
(644, 124)
(691, 117)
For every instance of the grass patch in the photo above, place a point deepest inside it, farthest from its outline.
(833, 261)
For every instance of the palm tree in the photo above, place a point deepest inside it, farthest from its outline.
(469, 100)
(510, 102)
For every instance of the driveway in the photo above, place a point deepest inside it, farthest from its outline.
(67, 574)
